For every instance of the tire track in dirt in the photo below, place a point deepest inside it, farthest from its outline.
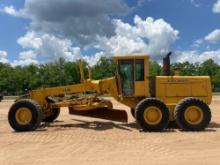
(71, 138)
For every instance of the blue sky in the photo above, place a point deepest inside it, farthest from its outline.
(194, 20)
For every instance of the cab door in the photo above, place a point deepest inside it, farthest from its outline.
(126, 72)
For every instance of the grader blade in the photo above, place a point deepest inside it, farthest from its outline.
(103, 113)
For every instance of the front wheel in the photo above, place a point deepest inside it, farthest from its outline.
(25, 115)
(152, 114)
(192, 114)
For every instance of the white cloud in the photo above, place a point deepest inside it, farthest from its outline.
(12, 11)
(214, 36)
(47, 47)
(30, 40)
(145, 36)
(197, 43)
(216, 7)
(92, 60)
(63, 28)
(154, 37)
(211, 38)
(72, 19)
(3, 56)
(23, 62)
(195, 56)
(27, 55)
(25, 58)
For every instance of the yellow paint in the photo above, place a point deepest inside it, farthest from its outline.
(193, 115)
(169, 89)
(140, 88)
(172, 89)
(23, 116)
(152, 115)
(171, 111)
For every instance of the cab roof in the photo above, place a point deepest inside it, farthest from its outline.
(128, 57)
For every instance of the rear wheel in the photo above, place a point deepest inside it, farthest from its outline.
(192, 114)
(51, 115)
(25, 115)
(152, 114)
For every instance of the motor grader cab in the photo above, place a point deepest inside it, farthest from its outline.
(183, 99)
(132, 74)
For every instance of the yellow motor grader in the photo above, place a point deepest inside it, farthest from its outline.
(154, 101)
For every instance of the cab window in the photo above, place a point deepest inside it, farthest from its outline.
(139, 70)
(126, 72)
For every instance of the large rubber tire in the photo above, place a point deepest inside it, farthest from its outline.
(53, 115)
(36, 115)
(143, 106)
(180, 117)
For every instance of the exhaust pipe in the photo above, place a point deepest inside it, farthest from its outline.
(166, 65)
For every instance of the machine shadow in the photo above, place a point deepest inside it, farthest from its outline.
(93, 125)
(107, 125)
(214, 125)
(100, 126)
(210, 128)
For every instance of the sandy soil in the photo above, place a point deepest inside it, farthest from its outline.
(81, 140)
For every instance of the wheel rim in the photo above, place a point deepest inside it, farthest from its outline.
(193, 115)
(23, 116)
(152, 115)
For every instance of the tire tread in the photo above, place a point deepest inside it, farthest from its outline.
(181, 106)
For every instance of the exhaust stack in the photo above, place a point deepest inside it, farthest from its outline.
(166, 65)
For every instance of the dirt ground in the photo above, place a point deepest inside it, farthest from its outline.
(81, 140)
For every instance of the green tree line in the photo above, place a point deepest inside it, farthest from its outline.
(14, 80)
